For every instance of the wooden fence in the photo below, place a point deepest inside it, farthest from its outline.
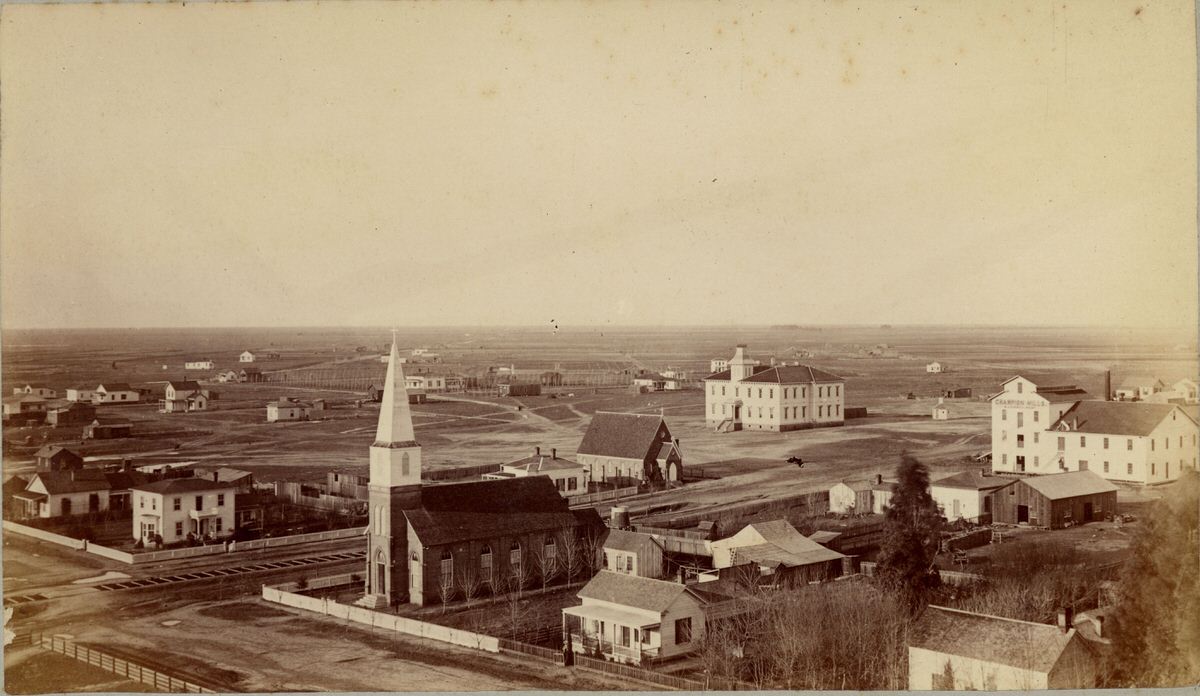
(187, 552)
(159, 681)
(378, 619)
(600, 496)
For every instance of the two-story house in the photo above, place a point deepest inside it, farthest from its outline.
(177, 507)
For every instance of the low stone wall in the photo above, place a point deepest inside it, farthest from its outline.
(377, 619)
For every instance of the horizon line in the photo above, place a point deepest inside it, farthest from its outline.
(768, 326)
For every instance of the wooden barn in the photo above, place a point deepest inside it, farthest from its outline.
(1054, 501)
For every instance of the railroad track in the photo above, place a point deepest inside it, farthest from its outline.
(159, 581)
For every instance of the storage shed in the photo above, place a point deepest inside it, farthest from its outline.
(1054, 501)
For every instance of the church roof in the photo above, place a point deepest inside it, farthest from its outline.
(496, 508)
(622, 435)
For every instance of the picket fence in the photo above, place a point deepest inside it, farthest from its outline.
(376, 619)
(159, 681)
(173, 554)
(600, 496)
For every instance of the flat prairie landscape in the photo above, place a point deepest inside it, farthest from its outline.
(467, 429)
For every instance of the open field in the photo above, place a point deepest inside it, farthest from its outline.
(473, 430)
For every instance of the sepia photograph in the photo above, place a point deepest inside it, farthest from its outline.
(636, 345)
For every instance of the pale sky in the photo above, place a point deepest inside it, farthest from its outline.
(598, 163)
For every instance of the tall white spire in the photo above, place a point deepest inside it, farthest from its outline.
(395, 418)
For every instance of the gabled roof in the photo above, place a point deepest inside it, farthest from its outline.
(635, 591)
(972, 480)
(184, 384)
(783, 546)
(621, 540)
(285, 402)
(860, 485)
(1135, 381)
(124, 480)
(23, 398)
(251, 370)
(1136, 418)
(115, 386)
(492, 508)
(183, 485)
(48, 451)
(77, 481)
(622, 435)
(1070, 484)
(1024, 644)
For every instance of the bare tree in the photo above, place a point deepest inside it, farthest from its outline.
(545, 557)
(589, 550)
(571, 554)
(470, 582)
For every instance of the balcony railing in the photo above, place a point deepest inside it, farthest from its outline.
(588, 642)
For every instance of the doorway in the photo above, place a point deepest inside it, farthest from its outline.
(1088, 512)
(1022, 513)
(380, 574)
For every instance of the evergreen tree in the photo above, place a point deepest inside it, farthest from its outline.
(1155, 628)
(911, 537)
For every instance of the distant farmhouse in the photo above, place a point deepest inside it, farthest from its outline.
(186, 395)
(628, 449)
(1044, 430)
(935, 367)
(287, 409)
(246, 357)
(115, 393)
(1154, 390)
(204, 364)
(31, 390)
(24, 408)
(751, 396)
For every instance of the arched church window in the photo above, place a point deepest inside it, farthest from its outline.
(447, 566)
(404, 463)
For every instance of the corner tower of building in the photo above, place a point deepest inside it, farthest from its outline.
(394, 486)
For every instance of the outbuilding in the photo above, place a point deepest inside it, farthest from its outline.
(1054, 501)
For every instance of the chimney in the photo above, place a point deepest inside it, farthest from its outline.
(554, 453)
(878, 478)
(127, 465)
(1108, 385)
(1066, 619)
(537, 451)
(216, 477)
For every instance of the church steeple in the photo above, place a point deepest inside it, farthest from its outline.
(395, 418)
(395, 454)
(394, 486)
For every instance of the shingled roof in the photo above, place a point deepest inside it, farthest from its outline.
(622, 435)
(634, 591)
(77, 481)
(972, 480)
(183, 485)
(1136, 418)
(1070, 484)
(485, 509)
(1033, 646)
(793, 374)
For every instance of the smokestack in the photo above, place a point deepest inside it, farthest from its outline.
(554, 453)
(878, 478)
(1108, 385)
(537, 451)
(1066, 618)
